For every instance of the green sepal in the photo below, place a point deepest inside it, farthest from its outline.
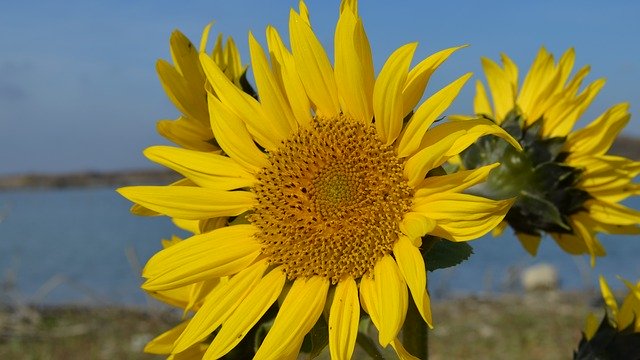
(609, 344)
(513, 124)
(545, 150)
(440, 254)
(317, 339)
(532, 208)
(553, 175)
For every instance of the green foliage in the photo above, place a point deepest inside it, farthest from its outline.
(442, 253)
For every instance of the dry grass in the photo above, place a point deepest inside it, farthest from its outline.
(79, 333)
(536, 326)
(542, 326)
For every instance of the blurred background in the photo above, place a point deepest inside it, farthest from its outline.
(79, 94)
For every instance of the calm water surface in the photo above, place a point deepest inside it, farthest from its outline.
(71, 246)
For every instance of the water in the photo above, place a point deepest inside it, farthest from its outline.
(70, 246)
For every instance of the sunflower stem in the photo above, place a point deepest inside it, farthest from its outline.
(415, 334)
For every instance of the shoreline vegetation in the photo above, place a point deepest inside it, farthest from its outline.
(535, 325)
(624, 146)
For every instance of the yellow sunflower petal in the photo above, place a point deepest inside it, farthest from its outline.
(630, 309)
(221, 252)
(447, 140)
(428, 158)
(187, 133)
(565, 66)
(560, 124)
(189, 202)
(416, 225)
(612, 213)
(412, 268)
(219, 304)
(456, 182)
(293, 87)
(314, 67)
(179, 91)
(467, 132)
(247, 314)
(426, 114)
(234, 138)
(499, 229)
(402, 353)
(598, 136)
(510, 69)
(481, 104)
(591, 326)
(205, 169)
(234, 68)
(140, 210)
(529, 242)
(608, 296)
(387, 93)
(204, 38)
(297, 315)
(245, 107)
(271, 97)
(304, 12)
(386, 298)
(217, 54)
(535, 80)
(502, 89)
(351, 5)
(571, 244)
(354, 67)
(163, 343)
(207, 225)
(344, 317)
(199, 291)
(185, 58)
(581, 227)
(419, 76)
(191, 226)
(462, 217)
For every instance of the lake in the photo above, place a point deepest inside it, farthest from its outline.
(83, 246)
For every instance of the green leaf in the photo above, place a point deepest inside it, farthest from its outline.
(443, 254)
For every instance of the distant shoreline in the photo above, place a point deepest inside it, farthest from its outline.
(624, 146)
(87, 179)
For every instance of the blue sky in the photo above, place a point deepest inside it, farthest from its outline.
(78, 88)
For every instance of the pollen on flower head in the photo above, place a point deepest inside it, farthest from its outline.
(331, 201)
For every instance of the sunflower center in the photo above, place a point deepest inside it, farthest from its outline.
(331, 201)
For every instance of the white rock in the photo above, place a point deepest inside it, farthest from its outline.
(540, 277)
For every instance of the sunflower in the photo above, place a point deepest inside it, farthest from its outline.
(618, 334)
(184, 83)
(566, 183)
(325, 180)
(189, 298)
